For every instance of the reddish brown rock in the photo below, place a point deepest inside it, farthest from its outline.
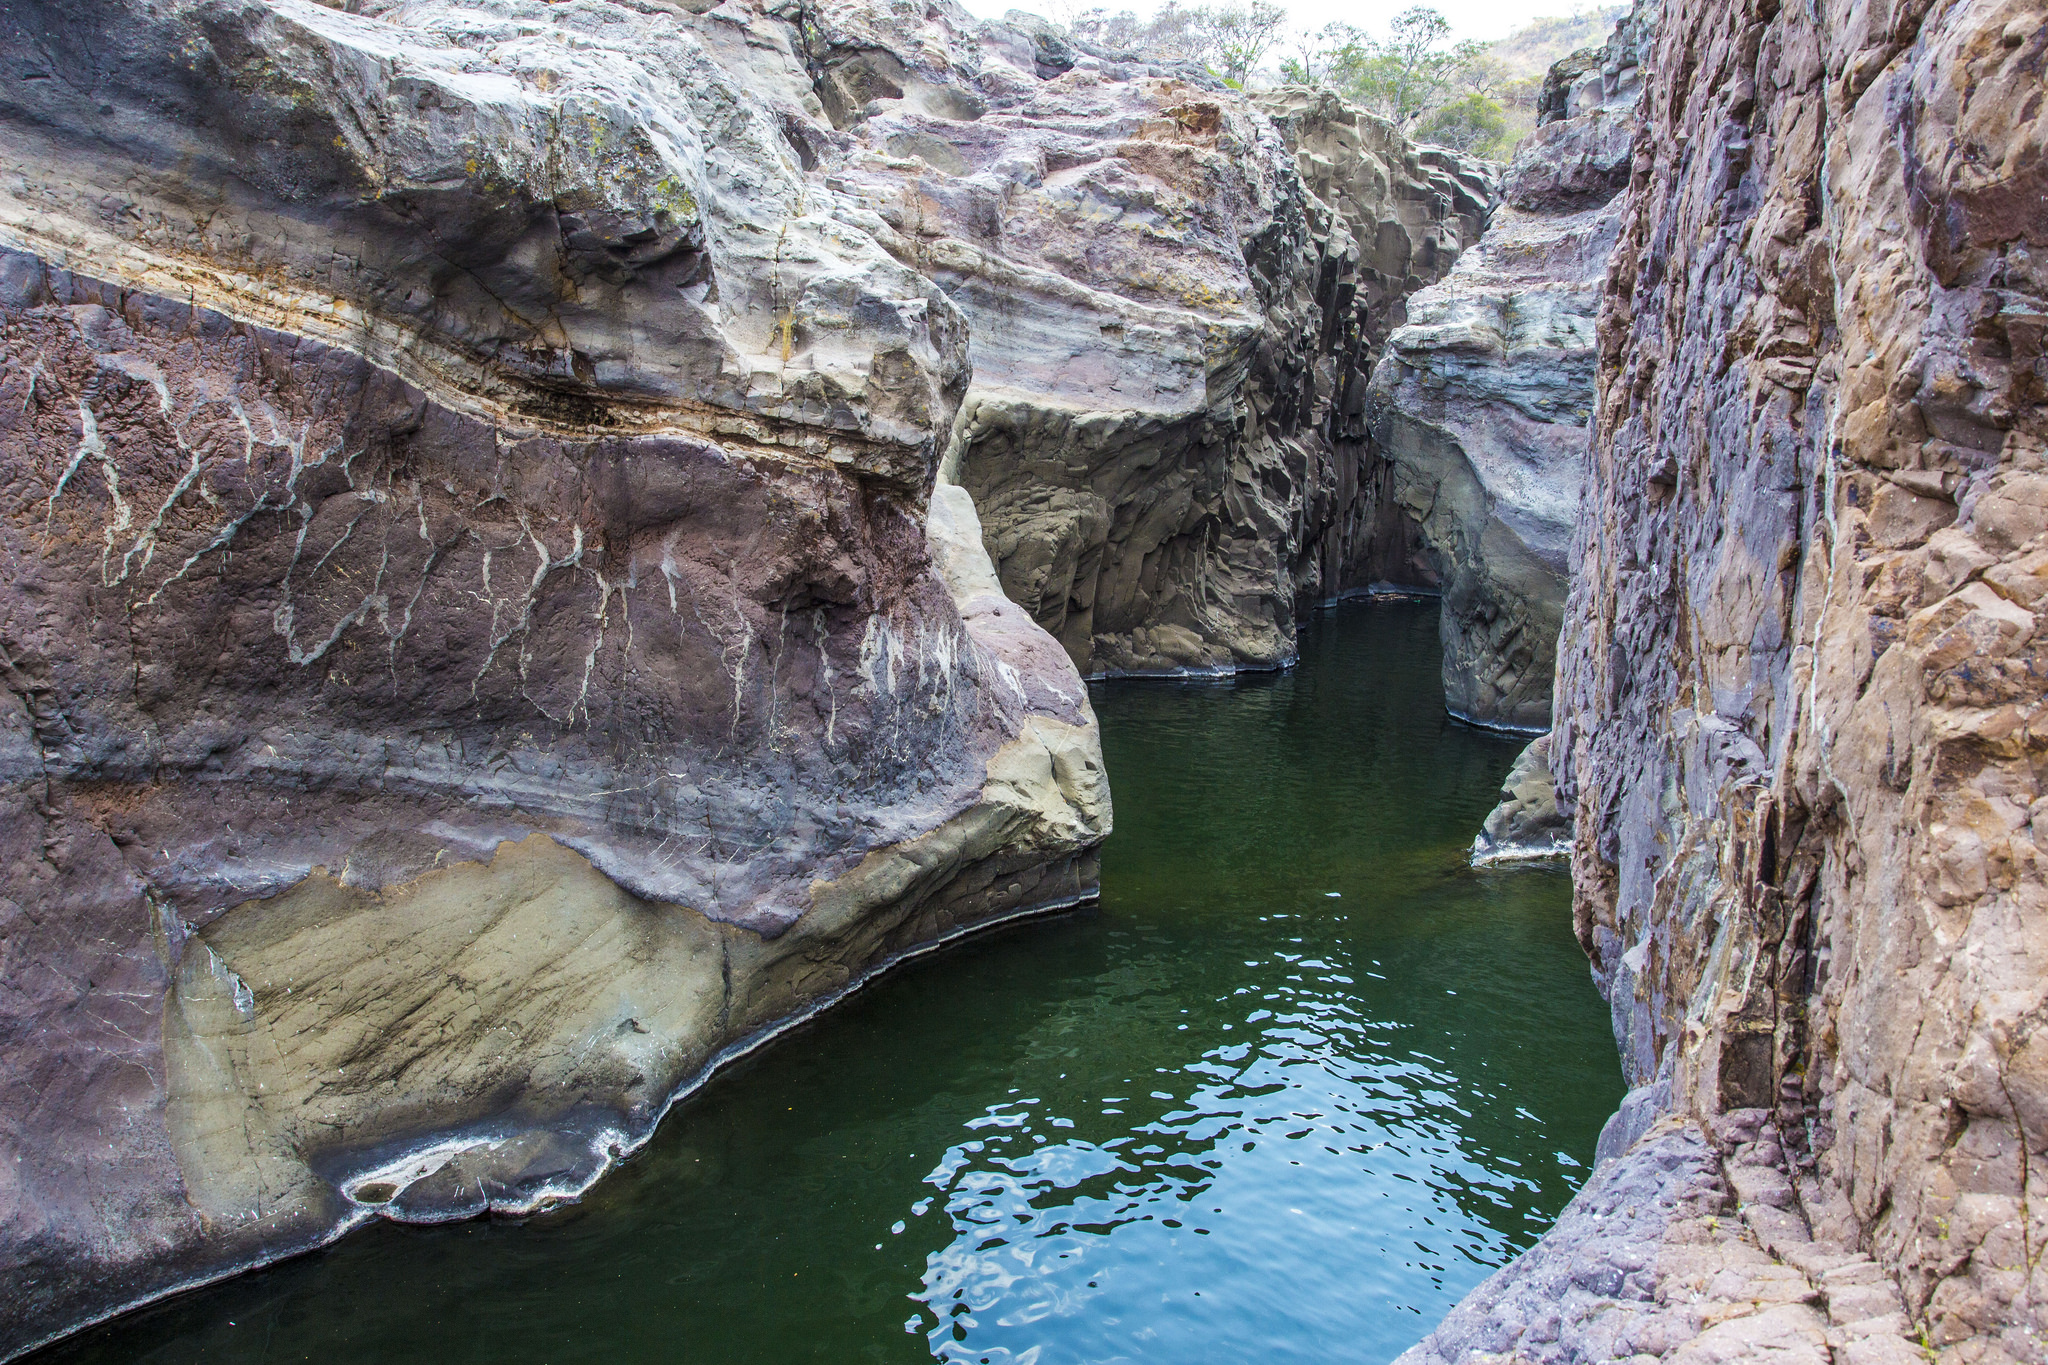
(1800, 689)
(477, 648)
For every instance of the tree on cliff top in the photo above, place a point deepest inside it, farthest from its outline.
(1473, 123)
(1414, 70)
(1473, 97)
(1431, 87)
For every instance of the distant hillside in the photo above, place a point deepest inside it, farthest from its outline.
(1512, 69)
(1530, 50)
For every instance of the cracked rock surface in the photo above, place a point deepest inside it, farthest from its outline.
(481, 637)
(1801, 680)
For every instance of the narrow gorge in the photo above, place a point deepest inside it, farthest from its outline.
(547, 544)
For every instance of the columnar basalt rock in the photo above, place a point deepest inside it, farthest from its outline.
(1481, 408)
(481, 643)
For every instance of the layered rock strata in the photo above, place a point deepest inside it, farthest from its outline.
(1482, 406)
(1801, 682)
(481, 641)
(1175, 296)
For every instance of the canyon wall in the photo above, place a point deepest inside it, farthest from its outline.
(481, 638)
(497, 612)
(1800, 705)
(1482, 406)
(517, 515)
(1175, 297)
(1802, 680)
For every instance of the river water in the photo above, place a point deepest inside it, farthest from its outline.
(1300, 1082)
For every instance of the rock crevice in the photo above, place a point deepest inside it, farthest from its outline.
(1482, 406)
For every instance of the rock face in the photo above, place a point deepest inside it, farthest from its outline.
(1802, 673)
(1481, 408)
(1800, 710)
(1174, 298)
(481, 641)
(1682, 1248)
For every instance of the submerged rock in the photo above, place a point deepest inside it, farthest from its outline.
(1483, 401)
(481, 640)
(1528, 823)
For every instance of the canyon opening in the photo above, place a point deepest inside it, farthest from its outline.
(785, 680)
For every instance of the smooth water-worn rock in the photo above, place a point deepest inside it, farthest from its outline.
(1482, 405)
(1175, 294)
(480, 640)
(486, 631)
(1528, 822)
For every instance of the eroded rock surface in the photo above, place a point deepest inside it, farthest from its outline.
(1482, 405)
(1802, 673)
(1685, 1246)
(480, 639)
(1175, 295)
(1528, 823)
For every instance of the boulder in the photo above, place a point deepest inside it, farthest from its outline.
(1528, 823)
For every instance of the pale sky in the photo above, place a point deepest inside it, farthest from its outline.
(1483, 19)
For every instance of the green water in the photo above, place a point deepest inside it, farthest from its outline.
(1229, 1116)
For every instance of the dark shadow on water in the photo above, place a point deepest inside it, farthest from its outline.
(1228, 1116)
